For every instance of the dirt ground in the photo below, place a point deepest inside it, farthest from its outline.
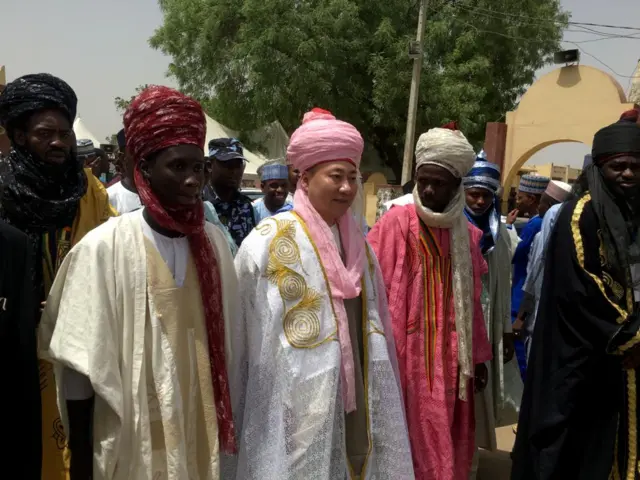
(497, 465)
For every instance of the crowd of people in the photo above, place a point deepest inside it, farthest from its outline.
(158, 324)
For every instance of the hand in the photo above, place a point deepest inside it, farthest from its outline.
(42, 305)
(481, 377)
(631, 359)
(517, 327)
(507, 347)
(512, 216)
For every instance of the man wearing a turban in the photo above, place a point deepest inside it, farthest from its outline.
(48, 195)
(315, 371)
(137, 317)
(432, 266)
(579, 415)
(498, 404)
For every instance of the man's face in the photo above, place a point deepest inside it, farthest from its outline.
(227, 174)
(526, 203)
(294, 176)
(546, 202)
(479, 200)
(48, 136)
(176, 175)
(332, 187)
(436, 187)
(622, 175)
(275, 191)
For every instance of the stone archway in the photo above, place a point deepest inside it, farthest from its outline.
(569, 104)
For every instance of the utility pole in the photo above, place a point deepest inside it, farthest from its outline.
(409, 139)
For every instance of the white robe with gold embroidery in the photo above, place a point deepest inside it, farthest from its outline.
(95, 323)
(286, 390)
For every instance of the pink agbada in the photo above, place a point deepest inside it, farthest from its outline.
(416, 266)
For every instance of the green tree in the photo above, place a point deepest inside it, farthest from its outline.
(111, 139)
(122, 104)
(253, 61)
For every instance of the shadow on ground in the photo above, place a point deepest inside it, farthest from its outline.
(497, 465)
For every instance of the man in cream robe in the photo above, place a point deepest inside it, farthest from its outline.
(129, 321)
(315, 385)
(498, 404)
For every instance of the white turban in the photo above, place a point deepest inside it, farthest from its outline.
(445, 148)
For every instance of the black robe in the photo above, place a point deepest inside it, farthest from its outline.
(21, 440)
(578, 418)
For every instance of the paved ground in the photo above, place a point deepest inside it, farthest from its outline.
(497, 465)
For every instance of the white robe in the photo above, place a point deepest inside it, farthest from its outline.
(94, 323)
(286, 390)
(499, 402)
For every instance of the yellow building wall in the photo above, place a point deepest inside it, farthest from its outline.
(569, 104)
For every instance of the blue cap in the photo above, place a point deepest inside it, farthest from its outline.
(225, 149)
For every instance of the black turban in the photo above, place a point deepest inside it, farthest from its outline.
(617, 139)
(35, 92)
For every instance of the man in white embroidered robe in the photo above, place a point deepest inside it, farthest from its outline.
(315, 373)
(135, 318)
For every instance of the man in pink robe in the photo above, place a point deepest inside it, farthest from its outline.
(432, 265)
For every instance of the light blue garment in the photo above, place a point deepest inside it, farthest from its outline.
(262, 212)
(535, 267)
(212, 217)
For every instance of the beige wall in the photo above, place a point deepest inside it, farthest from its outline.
(568, 104)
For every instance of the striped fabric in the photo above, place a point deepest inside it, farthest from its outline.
(533, 184)
(436, 269)
(483, 174)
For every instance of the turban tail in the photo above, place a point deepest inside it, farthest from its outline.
(322, 138)
(485, 175)
(36, 92)
(159, 118)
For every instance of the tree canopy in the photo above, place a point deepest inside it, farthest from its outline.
(123, 103)
(254, 61)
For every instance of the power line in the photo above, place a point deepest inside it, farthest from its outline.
(542, 20)
(538, 40)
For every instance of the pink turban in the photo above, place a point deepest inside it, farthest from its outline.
(322, 138)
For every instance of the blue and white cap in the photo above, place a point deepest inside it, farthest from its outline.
(483, 174)
(533, 184)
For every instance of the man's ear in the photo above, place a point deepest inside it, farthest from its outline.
(145, 168)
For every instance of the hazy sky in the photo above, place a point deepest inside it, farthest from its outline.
(100, 48)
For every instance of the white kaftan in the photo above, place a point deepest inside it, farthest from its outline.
(286, 391)
(499, 403)
(96, 323)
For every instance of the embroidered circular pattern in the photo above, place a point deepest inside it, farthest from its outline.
(302, 327)
(292, 286)
(285, 250)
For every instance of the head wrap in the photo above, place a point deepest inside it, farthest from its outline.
(445, 148)
(533, 184)
(85, 148)
(322, 138)
(485, 175)
(620, 138)
(559, 191)
(159, 118)
(32, 93)
(618, 224)
(274, 171)
(450, 149)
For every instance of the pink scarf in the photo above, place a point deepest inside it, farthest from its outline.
(322, 138)
(344, 277)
